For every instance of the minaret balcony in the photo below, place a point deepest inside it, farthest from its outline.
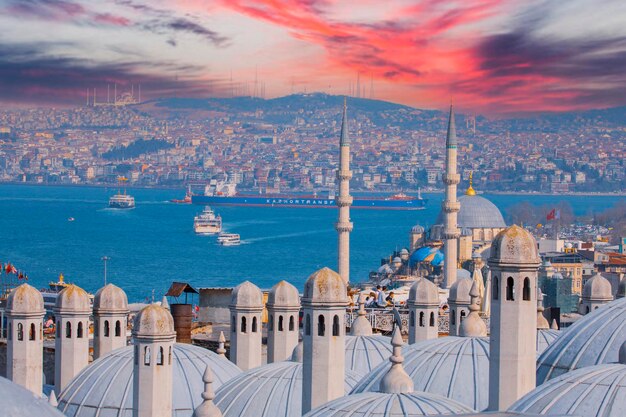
(451, 179)
(344, 227)
(344, 200)
(344, 175)
(451, 206)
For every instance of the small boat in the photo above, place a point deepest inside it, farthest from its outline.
(228, 239)
(70, 219)
(186, 200)
(207, 223)
(59, 285)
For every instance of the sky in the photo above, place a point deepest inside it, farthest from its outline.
(493, 57)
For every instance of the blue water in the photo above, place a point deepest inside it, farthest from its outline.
(154, 244)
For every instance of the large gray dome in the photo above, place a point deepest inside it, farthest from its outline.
(594, 339)
(477, 213)
(594, 391)
(273, 390)
(108, 382)
(455, 367)
(364, 353)
(390, 405)
(17, 401)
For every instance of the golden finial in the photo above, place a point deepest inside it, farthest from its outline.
(470, 189)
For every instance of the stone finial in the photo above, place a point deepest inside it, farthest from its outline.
(221, 350)
(554, 326)
(473, 325)
(361, 325)
(542, 322)
(396, 380)
(52, 399)
(164, 303)
(208, 407)
(622, 354)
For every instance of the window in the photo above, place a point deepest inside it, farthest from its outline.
(412, 319)
(321, 327)
(243, 325)
(10, 333)
(432, 319)
(307, 325)
(68, 330)
(159, 359)
(462, 316)
(118, 328)
(31, 333)
(95, 328)
(421, 319)
(136, 355)
(254, 325)
(79, 330)
(526, 290)
(336, 328)
(233, 325)
(292, 323)
(59, 330)
(280, 323)
(106, 328)
(587, 309)
(20, 332)
(146, 355)
(496, 288)
(510, 289)
(453, 318)
(270, 324)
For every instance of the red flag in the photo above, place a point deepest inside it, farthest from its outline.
(7, 268)
(20, 276)
(13, 270)
(551, 215)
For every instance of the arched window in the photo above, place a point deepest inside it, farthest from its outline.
(32, 332)
(58, 327)
(270, 324)
(159, 359)
(68, 330)
(432, 319)
(79, 330)
(169, 357)
(307, 325)
(321, 327)
(280, 323)
(587, 309)
(146, 355)
(496, 288)
(526, 290)
(336, 328)
(233, 324)
(96, 328)
(510, 289)
(20, 331)
(412, 319)
(118, 328)
(292, 323)
(106, 328)
(254, 325)
(453, 318)
(462, 316)
(421, 319)
(243, 325)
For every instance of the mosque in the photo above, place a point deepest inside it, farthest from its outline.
(514, 366)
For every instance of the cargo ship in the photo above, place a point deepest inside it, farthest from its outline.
(225, 194)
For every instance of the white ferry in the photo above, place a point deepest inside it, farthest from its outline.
(207, 223)
(122, 200)
(228, 239)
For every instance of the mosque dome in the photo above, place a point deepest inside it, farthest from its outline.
(417, 229)
(427, 254)
(598, 288)
(476, 213)
(545, 337)
(514, 245)
(24, 299)
(385, 269)
(325, 286)
(423, 292)
(273, 390)
(73, 299)
(283, 294)
(594, 391)
(460, 290)
(390, 405)
(246, 295)
(153, 320)
(364, 353)
(17, 401)
(455, 367)
(110, 298)
(592, 340)
(107, 384)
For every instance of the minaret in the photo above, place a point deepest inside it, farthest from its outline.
(71, 350)
(246, 306)
(283, 306)
(25, 311)
(324, 304)
(110, 314)
(450, 206)
(423, 305)
(344, 200)
(153, 337)
(514, 263)
(207, 408)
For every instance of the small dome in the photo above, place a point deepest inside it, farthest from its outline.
(423, 293)
(105, 387)
(514, 245)
(390, 405)
(594, 339)
(246, 295)
(364, 353)
(455, 367)
(110, 299)
(545, 337)
(325, 286)
(273, 390)
(283, 294)
(385, 269)
(153, 320)
(25, 300)
(598, 288)
(73, 299)
(476, 213)
(397, 260)
(460, 291)
(404, 252)
(417, 229)
(594, 391)
(17, 401)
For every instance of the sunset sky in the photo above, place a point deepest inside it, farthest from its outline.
(488, 56)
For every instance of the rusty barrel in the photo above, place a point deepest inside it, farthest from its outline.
(182, 322)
